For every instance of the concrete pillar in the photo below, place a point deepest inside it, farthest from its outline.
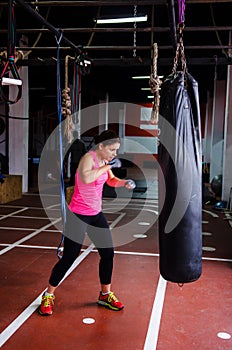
(216, 154)
(227, 161)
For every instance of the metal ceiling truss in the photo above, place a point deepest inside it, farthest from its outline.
(122, 30)
(132, 62)
(114, 3)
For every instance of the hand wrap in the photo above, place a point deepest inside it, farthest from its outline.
(130, 184)
(115, 163)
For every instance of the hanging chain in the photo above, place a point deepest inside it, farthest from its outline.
(36, 7)
(135, 26)
(180, 54)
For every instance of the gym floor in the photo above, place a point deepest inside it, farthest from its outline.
(157, 314)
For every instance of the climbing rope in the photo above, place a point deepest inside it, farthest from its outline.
(155, 84)
(70, 105)
(67, 105)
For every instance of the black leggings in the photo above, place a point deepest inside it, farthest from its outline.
(98, 231)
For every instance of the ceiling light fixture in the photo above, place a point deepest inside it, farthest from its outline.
(145, 77)
(141, 77)
(121, 19)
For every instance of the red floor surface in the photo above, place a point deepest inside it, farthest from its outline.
(157, 314)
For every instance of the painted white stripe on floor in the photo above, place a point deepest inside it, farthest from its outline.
(16, 228)
(116, 221)
(132, 205)
(154, 325)
(17, 323)
(133, 253)
(28, 237)
(53, 206)
(217, 259)
(13, 213)
(29, 246)
(210, 213)
(120, 252)
(228, 217)
(144, 209)
(34, 217)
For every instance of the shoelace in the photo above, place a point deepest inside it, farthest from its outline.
(47, 300)
(112, 297)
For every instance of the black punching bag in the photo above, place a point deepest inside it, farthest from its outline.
(180, 190)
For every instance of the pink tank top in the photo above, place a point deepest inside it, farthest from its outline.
(87, 198)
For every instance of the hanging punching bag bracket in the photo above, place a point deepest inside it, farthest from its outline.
(180, 54)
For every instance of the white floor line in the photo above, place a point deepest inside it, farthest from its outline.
(13, 245)
(210, 213)
(144, 209)
(16, 228)
(33, 217)
(116, 221)
(53, 207)
(30, 246)
(17, 323)
(120, 252)
(154, 325)
(217, 259)
(228, 216)
(129, 205)
(13, 213)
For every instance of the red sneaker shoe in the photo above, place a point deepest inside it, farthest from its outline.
(110, 301)
(47, 303)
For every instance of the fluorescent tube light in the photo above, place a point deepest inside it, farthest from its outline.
(145, 77)
(132, 19)
(141, 77)
(148, 89)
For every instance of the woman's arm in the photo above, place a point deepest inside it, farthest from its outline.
(86, 169)
(114, 181)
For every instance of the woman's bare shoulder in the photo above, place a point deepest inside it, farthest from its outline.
(87, 159)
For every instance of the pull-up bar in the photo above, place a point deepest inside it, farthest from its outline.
(48, 25)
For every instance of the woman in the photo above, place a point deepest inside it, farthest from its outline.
(93, 171)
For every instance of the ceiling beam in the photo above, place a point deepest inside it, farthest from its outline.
(131, 62)
(122, 30)
(114, 3)
(122, 48)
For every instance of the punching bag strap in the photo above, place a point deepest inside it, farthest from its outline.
(180, 54)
